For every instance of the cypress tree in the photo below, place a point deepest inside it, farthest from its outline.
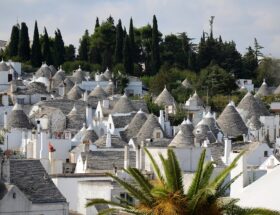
(155, 47)
(59, 51)
(127, 61)
(119, 43)
(24, 46)
(46, 50)
(14, 41)
(132, 41)
(84, 47)
(36, 55)
(97, 25)
(70, 53)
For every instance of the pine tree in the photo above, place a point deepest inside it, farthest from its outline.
(119, 43)
(36, 55)
(84, 47)
(59, 51)
(24, 43)
(97, 25)
(132, 41)
(127, 61)
(14, 41)
(155, 47)
(70, 53)
(257, 49)
(46, 49)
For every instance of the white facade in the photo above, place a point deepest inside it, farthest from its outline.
(245, 84)
(270, 128)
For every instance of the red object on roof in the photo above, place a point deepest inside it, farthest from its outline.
(51, 148)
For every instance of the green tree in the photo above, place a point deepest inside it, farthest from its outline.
(119, 43)
(70, 53)
(36, 55)
(257, 49)
(269, 69)
(97, 25)
(250, 63)
(132, 41)
(46, 48)
(155, 47)
(24, 43)
(84, 47)
(127, 58)
(166, 194)
(14, 41)
(58, 48)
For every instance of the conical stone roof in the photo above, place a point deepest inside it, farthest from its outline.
(4, 66)
(148, 128)
(44, 71)
(165, 98)
(75, 120)
(18, 119)
(68, 84)
(135, 125)
(79, 75)
(184, 137)
(249, 107)
(186, 84)
(264, 110)
(58, 77)
(123, 105)
(53, 69)
(75, 93)
(98, 92)
(231, 122)
(254, 123)
(263, 90)
(197, 99)
(110, 88)
(108, 74)
(90, 136)
(277, 90)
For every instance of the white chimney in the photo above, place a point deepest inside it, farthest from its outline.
(227, 150)
(5, 120)
(44, 154)
(138, 157)
(85, 97)
(161, 119)
(89, 116)
(106, 103)
(108, 140)
(126, 156)
(38, 126)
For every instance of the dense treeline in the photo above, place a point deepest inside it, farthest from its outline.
(140, 51)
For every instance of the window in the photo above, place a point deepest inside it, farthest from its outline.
(126, 198)
(190, 116)
(265, 154)
(20, 101)
(14, 195)
(43, 98)
(158, 135)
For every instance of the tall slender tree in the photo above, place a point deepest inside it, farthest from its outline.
(84, 47)
(59, 51)
(46, 49)
(155, 47)
(132, 40)
(97, 25)
(70, 53)
(119, 42)
(24, 43)
(127, 61)
(14, 41)
(36, 55)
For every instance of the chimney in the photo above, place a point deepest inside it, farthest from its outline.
(89, 116)
(142, 156)
(85, 97)
(126, 156)
(106, 103)
(5, 120)
(38, 127)
(5, 170)
(44, 145)
(161, 119)
(108, 140)
(138, 156)
(227, 150)
(166, 113)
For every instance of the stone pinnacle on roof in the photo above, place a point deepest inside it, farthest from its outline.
(254, 123)
(98, 92)
(231, 122)
(123, 105)
(165, 98)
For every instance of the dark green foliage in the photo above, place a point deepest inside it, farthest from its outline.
(250, 63)
(155, 48)
(127, 58)
(132, 41)
(84, 47)
(152, 107)
(46, 48)
(36, 55)
(70, 53)
(97, 25)
(14, 41)
(217, 80)
(69, 66)
(58, 49)
(119, 43)
(24, 43)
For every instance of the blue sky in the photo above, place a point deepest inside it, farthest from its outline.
(238, 20)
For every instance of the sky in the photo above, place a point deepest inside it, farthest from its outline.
(237, 20)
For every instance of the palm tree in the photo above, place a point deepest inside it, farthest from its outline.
(166, 195)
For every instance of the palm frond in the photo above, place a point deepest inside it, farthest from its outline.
(104, 202)
(224, 187)
(193, 189)
(141, 180)
(206, 174)
(220, 178)
(237, 210)
(154, 165)
(107, 211)
(159, 192)
(135, 192)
